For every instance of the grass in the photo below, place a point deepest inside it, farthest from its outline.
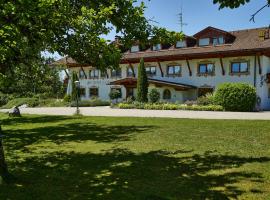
(57, 157)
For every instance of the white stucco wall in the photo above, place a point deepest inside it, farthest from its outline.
(195, 80)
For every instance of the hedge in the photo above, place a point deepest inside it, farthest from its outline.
(236, 96)
(169, 106)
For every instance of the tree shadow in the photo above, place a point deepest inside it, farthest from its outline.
(122, 174)
(71, 132)
(33, 119)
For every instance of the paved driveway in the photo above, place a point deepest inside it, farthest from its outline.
(107, 111)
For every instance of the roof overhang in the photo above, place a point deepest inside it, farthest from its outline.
(132, 82)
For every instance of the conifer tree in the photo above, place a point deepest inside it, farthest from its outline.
(142, 83)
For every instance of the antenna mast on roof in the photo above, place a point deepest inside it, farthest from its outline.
(182, 23)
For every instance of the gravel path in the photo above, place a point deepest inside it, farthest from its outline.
(107, 111)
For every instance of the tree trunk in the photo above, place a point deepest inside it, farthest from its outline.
(3, 166)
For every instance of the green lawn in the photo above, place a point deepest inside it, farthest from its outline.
(55, 157)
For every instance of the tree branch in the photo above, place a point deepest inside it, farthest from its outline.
(253, 16)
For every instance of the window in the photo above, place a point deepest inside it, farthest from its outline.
(81, 74)
(167, 94)
(239, 67)
(151, 70)
(218, 40)
(206, 68)
(103, 74)
(135, 48)
(157, 47)
(82, 92)
(93, 73)
(129, 72)
(181, 44)
(93, 92)
(115, 73)
(204, 41)
(173, 70)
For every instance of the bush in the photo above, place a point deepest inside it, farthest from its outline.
(4, 98)
(154, 96)
(115, 94)
(30, 102)
(67, 98)
(90, 103)
(208, 99)
(169, 106)
(130, 99)
(236, 96)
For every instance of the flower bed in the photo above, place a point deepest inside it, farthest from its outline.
(169, 106)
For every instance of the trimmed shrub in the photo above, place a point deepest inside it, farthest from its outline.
(169, 106)
(142, 83)
(115, 94)
(208, 99)
(154, 95)
(236, 96)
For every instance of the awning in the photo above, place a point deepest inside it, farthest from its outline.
(132, 82)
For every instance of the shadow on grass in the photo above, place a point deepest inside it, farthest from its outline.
(33, 119)
(121, 174)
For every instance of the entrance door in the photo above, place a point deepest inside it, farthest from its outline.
(130, 92)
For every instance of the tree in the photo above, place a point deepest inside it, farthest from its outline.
(237, 3)
(28, 80)
(142, 83)
(71, 28)
(115, 95)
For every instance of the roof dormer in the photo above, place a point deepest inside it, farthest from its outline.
(213, 36)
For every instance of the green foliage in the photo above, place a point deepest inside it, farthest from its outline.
(169, 106)
(67, 98)
(208, 99)
(115, 94)
(74, 89)
(27, 80)
(90, 103)
(154, 95)
(236, 96)
(30, 102)
(30, 27)
(142, 83)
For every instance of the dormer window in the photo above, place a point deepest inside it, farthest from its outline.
(157, 47)
(135, 48)
(218, 40)
(204, 41)
(181, 44)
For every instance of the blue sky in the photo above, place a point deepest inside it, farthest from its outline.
(199, 14)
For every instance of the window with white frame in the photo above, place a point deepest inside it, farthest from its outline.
(81, 74)
(93, 92)
(181, 44)
(174, 70)
(206, 68)
(218, 40)
(204, 41)
(135, 48)
(157, 47)
(93, 73)
(116, 73)
(129, 71)
(151, 70)
(239, 67)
